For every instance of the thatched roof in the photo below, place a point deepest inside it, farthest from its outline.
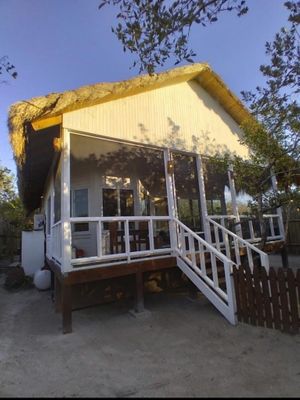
(56, 104)
(32, 145)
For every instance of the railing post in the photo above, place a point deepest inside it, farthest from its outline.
(251, 229)
(99, 239)
(172, 210)
(279, 209)
(204, 213)
(272, 231)
(127, 241)
(235, 209)
(151, 238)
(65, 202)
(230, 293)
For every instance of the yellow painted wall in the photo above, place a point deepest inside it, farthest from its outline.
(181, 116)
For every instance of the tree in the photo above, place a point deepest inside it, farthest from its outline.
(12, 215)
(274, 135)
(156, 30)
(6, 67)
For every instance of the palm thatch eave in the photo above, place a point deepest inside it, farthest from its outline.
(56, 104)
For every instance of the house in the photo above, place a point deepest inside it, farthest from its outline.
(122, 174)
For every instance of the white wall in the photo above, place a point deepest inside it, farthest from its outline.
(32, 258)
(181, 116)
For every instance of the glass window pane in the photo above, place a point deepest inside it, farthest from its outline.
(187, 190)
(80, 203)
(216, 187)
(160, 206)
(110, 202)
(126, 203)
(81, 227)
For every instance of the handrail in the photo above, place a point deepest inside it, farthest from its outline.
(209, 246)
(107, 219)
(251, 237)
(231, 216)
(263, 256)
(196, 268)
(56, 223)
(245, 242)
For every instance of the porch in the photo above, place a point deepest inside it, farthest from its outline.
(122, 208)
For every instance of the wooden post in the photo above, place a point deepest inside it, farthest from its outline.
(284, 252)
(66, 308)
(57, 295)
(279, 209)
(192, 290)
(139, 298)
(52, 286)
(285, 257)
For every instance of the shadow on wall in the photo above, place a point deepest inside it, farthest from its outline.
(202, 143)
(216, 108)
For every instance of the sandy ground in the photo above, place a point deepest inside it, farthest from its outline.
(276, 261)
(182, 348)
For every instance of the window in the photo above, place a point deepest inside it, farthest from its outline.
(80, 208)
(118, 202)
(187, 190)
(113, 181)
(110, 202)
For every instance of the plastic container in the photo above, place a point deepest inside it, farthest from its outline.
(42, 279)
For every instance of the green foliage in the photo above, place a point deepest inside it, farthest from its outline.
(276, 105)
(12, 214)
(156, 30)
(274, 136)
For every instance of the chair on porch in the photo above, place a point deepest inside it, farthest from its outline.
(117, 244)
(142, 237)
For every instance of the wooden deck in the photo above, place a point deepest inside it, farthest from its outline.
(66, 288)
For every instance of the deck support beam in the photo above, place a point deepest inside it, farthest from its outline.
(66, 302)
(139, 296)
(284, 251)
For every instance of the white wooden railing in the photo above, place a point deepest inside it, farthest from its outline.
(250, 235)
(223, 239)
(125, 250)
(230, 243)
(194, 255)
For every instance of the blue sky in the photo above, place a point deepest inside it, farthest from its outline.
(58, 45)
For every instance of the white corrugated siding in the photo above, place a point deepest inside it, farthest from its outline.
(182, 116)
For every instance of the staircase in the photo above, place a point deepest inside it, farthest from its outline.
(209, 265)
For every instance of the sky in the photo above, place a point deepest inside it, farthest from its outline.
(59, 45)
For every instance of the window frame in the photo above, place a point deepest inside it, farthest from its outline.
(72, 209)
